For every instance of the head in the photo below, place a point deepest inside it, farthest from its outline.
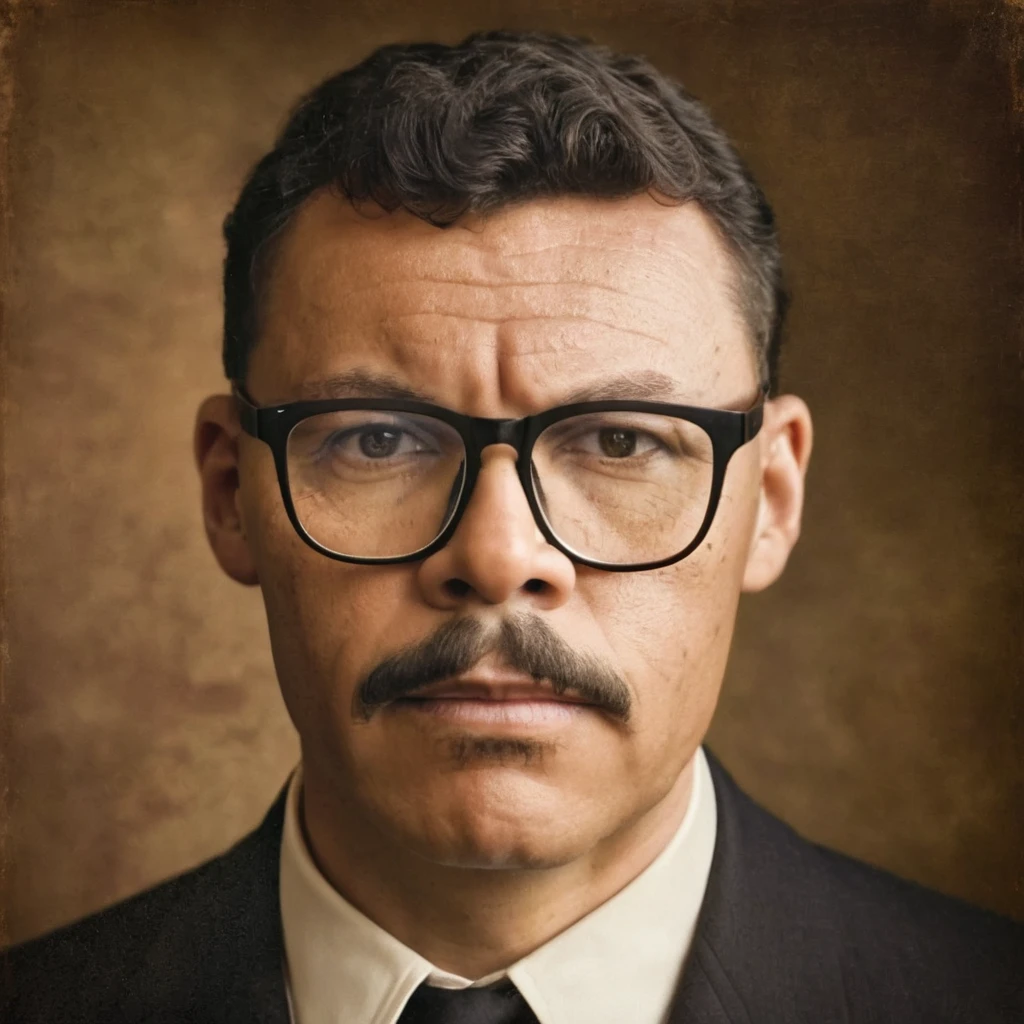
(500, 228)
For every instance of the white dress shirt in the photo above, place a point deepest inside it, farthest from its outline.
(621, 962)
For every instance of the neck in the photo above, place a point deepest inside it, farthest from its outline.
(474, 921)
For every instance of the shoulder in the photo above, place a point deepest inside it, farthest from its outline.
(944, 947)
(100, 956)
(167, 949)
(838, 929)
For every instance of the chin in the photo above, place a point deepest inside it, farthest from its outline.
(527, 853)
(503, 827)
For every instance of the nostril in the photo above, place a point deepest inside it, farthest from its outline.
(456, 587)
(534, 586)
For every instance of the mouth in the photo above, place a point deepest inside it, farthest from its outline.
(496, 686)
(510, 712)
(492, 700)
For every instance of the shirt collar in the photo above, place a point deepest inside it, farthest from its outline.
(620, 962)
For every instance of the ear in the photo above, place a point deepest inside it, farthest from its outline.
(215, 446)
(786, 437)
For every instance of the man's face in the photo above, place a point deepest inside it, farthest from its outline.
(501, 317)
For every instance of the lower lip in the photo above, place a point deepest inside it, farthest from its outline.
(469, 711)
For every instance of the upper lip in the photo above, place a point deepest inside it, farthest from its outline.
(493, 687)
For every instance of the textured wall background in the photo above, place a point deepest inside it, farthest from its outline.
(874, 695)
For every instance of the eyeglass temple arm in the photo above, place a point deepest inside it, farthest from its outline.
(248, 417)
(753, 418)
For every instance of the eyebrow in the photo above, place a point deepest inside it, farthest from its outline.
(646, 385)
(360, 383)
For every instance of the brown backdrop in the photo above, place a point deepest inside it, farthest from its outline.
(874, 695)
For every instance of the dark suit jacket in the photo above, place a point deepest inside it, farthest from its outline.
(789, 932)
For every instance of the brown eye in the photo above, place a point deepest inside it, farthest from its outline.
(617, 443)
(379, 444)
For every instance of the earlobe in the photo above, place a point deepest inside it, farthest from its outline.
(215, 446)
(786, 441)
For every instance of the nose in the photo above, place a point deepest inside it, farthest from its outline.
(497, 553)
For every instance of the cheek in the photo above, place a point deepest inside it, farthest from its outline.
(671, 629)
(663, 620)
(321, 614)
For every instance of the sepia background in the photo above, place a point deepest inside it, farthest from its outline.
(874, 695)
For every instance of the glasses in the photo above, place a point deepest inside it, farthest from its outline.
(617, 485)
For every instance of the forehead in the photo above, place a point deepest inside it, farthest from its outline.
(503, 314)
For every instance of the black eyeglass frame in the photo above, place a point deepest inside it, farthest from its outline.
(728, 430)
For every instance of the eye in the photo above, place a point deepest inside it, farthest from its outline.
(605, 440)
(372, 443)
(616, 442)
(381, 442)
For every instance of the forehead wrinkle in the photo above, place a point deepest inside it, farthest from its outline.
(483, 262)
(668, 233)
(492, 260)
(690, 239)
(488, 285)
(583, 263)
(648, 218)
(495, 301)
(513, 320)
(404, 316)
(499, 264)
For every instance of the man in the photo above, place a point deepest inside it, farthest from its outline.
(503, 449)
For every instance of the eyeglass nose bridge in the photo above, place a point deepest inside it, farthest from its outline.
(481, 433)
(487, 432)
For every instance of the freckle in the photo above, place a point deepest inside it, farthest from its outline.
(711, 547)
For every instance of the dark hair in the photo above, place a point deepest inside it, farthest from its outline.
(500, 118)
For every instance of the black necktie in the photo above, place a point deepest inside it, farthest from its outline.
(500, 1003)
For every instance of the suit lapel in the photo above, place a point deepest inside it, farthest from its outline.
(765, 947)
(706, 994)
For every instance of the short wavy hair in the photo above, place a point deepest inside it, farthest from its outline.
(502, 118)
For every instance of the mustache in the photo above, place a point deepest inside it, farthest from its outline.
(524, 643)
